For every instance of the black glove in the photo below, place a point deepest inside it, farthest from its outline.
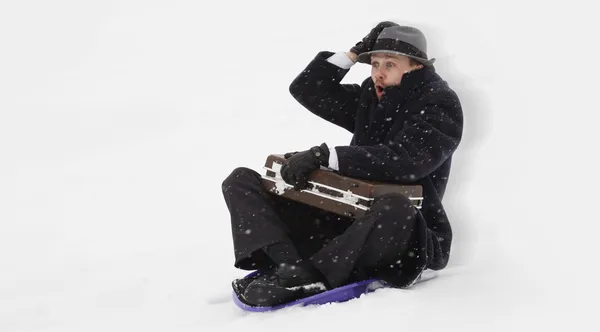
(300, 165)
(289, 154)
(367, 43)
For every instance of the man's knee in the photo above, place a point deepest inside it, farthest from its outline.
(394, 204)
(238, 176)
(392, 200)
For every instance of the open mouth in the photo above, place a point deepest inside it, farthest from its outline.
(379, 89)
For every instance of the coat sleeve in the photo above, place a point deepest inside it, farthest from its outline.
(318, 89)
(426, 140)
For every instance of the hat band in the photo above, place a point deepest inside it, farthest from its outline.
(386, 44)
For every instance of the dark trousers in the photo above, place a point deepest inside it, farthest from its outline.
(342, 249)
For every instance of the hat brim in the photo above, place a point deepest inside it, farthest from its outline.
(366, 57)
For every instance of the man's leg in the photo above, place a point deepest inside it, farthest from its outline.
(379, 239)
(267, 228)
(255, 223)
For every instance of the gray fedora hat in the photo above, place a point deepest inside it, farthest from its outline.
(401, 40)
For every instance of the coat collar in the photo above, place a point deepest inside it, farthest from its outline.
(417, 78)
(411, 82)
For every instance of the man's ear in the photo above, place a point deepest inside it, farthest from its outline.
(414, 68)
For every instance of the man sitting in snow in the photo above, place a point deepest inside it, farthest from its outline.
(406, 124)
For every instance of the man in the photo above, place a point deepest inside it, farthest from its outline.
(406, 124)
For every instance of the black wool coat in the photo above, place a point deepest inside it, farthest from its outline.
(408, 137)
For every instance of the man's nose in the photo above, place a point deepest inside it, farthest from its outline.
(379, 74)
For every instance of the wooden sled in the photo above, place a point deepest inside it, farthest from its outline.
(333, 192)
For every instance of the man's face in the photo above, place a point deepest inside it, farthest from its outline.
(388, 69)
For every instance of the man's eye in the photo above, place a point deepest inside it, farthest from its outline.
(390, 64)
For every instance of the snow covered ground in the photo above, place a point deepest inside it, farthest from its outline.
(120, 119)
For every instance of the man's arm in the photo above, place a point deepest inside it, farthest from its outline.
(344, 60)
(318, 88)
(424, 143)
(353, 57)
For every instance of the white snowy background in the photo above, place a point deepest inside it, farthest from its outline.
(120, 119)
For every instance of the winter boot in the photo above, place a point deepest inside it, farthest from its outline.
(288, 283)
(239, 285)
